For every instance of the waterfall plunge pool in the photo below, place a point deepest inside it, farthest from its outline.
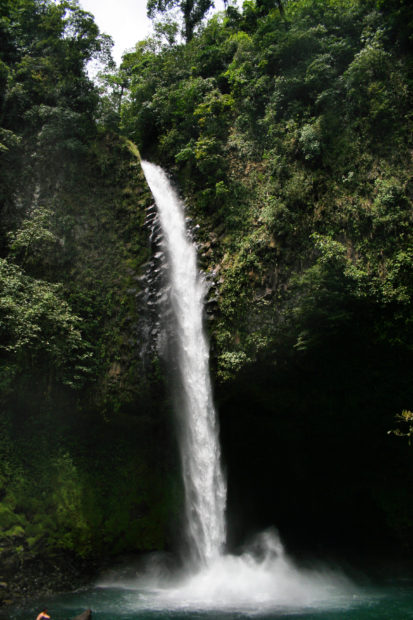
(394, 601)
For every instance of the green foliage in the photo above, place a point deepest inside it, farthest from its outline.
(399, 17)
(405, 419)
(73, 502)
(48, 48)
(37, 324)
(34, 239)
(310, 141)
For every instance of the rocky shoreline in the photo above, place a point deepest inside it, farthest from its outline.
(25, 577)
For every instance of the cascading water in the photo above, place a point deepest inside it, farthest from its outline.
(262, 578)
(205, 489)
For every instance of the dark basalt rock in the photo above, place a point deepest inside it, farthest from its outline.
(43, 576)
(85, 615)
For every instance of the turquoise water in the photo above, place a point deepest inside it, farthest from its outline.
(393, 601)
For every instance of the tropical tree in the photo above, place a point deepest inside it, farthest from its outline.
(193, 12)
(267, 5)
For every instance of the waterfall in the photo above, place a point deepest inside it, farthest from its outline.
(262, 577)
(204, 483)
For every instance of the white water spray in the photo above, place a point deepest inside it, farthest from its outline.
(263, 578)
(205, 489)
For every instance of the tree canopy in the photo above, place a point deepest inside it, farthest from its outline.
(193, 12)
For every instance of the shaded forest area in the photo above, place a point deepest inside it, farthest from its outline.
(287, 127)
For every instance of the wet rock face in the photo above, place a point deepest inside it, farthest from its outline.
(152, 294)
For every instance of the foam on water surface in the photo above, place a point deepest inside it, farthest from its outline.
(260, 580)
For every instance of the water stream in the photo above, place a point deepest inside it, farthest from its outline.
(205, 489)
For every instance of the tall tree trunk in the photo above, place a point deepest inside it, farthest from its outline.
(187, 9)
(280, 7)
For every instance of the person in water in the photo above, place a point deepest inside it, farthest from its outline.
(43, 615)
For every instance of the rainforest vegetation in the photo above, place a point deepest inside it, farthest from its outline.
(287, 127)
